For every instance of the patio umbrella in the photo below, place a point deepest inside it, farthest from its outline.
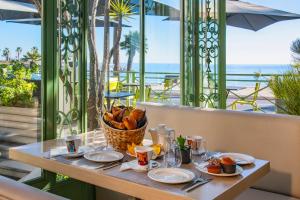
(248, 16)
(17, 10)
(254, 17)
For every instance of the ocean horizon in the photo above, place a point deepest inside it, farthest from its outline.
(231, 70)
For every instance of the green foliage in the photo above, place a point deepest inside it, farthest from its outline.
(295, 48)
(6, 54)
(33, 57)
(181, 142)
(121, 9)
(15, 90)
(287, 89)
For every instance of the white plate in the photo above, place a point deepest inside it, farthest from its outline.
(240, 159)
(203, 169)
(171, 175)
(103, 156)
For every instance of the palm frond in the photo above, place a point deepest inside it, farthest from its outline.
(295, 48)
(121, 8)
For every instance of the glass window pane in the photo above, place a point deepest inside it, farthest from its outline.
(20, 86)
(121, 77)
(162, 57)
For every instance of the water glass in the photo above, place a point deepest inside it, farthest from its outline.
(98, 138)
(172, 157)
(202, 154)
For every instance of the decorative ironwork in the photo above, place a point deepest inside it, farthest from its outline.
(67, 120)
(201, 51)
(70, 20)
(69, 35)
(208, 53)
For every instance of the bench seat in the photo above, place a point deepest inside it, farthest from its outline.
(13, 190)
(254, 194)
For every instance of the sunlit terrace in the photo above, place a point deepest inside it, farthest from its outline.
(149, 99)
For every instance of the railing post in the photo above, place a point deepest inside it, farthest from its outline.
(142, 50)
(222, 54)
(196, 64)
(182, 62)
(83, 66)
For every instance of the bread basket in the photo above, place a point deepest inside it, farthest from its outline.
(119, 139)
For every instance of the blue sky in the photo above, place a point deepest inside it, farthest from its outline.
(267, 46)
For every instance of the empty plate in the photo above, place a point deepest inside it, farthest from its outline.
(171, 175)
(240, 159)
(103, 156)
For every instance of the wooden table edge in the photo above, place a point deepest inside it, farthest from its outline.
(246, 183)
(108, 182)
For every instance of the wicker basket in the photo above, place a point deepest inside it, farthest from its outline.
(120, 138)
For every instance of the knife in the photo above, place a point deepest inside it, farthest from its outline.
(194, 184)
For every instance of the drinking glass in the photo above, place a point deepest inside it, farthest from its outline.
(202, 154)
(99, 139)
(172, 157)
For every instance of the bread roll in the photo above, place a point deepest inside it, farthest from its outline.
(137, 114)
(130, 123)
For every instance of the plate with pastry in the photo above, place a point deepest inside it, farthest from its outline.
(225, 166)
(240, 159)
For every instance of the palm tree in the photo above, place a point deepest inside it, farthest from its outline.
(18, 52)
(33, 57)
(6, 54)
(131, 44)
(295, 48)
(120, 10)
(94, 74)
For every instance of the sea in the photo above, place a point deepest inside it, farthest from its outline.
(235, 72)
(242, 75)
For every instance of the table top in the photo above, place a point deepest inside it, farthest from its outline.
(118, 95)
(133, 183)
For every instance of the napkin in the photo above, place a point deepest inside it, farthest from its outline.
(136, 167)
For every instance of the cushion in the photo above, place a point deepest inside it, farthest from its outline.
(14, 190)
(252, 194)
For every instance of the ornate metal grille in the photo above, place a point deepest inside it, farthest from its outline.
(201, 51)
(69, 38)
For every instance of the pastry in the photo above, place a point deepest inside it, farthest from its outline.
(228, 165)
(137, 114)
(108, 117)
(214, 166)
(116, 111)
(118, 125)
(130, 123)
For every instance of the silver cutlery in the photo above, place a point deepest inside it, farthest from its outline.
(195, 183)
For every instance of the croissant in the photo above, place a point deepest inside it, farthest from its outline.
(118, 125)
(130, 123)
(119, 117)
(137, 114)
(116, 111)
(108, 117)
